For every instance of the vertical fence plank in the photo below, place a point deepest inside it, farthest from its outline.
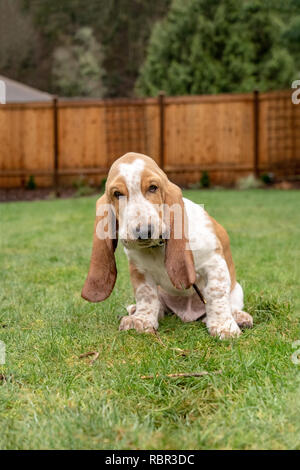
(161, 102)
(256, 128)
(55, 147)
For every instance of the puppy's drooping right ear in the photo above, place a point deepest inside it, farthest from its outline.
(102, 274)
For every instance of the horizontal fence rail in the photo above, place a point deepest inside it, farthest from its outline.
(227, 135)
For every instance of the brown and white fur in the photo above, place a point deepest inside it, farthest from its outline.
(162, 271)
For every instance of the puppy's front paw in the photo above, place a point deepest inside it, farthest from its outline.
(140, 323)
(224, 329)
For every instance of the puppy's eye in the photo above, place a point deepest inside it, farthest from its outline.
(117, 194)
(153, 188)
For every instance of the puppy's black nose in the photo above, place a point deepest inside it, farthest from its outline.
(144, 232)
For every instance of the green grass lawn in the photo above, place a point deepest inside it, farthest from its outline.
(53, 399)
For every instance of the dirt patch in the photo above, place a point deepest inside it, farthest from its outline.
(286, 185)
(21, 194)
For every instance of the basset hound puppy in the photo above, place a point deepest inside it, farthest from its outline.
(177, 253)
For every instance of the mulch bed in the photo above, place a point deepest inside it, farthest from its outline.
(21, 194)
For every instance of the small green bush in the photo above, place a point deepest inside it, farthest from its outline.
(249, 182)
(267, 178)
(102, 184)
(83, 188)
(205, 180)
(31, 184)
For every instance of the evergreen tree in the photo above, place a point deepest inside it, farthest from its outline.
(217, 46)
(122, 27)
(20, 49)
(77, 66)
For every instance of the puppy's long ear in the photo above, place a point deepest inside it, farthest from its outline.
(178, 256)
(103, 272)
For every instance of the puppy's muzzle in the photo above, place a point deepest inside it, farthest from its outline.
(145, 232)
(144, 236)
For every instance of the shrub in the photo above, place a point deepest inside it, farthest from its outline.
(205, 180)
(77, 66)
(249, 182)
(267, 178)
(31, 184)
(217, 46)
(102, 184)
(82, 187)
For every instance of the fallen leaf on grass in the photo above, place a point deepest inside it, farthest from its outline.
(183, 374)
(90, 353)
(181, 352)
(9, 379)
(2, 378)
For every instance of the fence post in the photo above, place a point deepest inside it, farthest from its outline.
(56, 149)
(294, 131)
(256, 132)
(161, 103)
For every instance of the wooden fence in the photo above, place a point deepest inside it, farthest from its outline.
(229, 136)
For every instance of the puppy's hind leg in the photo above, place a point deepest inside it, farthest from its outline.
(243, 319)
